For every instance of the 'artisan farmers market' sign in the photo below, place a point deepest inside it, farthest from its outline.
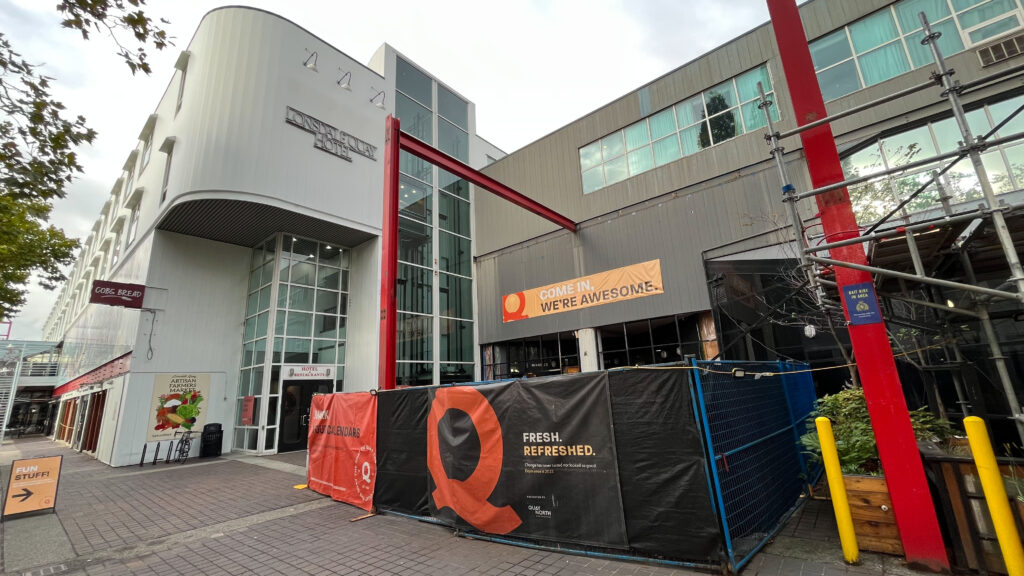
(179, 404)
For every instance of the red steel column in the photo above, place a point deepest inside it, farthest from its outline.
(389, 258)
(897, 447)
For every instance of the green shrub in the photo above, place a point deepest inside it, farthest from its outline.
(855, 439)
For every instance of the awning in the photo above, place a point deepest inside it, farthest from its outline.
(115, 367)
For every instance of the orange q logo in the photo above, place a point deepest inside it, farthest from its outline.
(468, 498)
(513, 306)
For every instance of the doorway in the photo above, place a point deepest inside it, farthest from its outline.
(295, 404)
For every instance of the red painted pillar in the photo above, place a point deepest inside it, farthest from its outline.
(897, 447)
(389, 258)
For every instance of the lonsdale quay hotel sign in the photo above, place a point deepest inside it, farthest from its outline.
(328, 138)
(616, 285)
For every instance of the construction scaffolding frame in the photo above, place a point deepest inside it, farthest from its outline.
(990, 213)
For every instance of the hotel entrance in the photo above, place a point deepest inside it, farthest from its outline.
(294, 339)
(295, 403)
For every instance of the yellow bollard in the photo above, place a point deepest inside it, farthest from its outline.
(844, 519)
(995, 495)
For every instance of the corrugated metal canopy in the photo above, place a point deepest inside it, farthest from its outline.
(249, 223)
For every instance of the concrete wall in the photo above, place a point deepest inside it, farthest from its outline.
(199, 291)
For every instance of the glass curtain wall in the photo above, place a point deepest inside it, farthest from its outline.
(257, 313)
(887, 43)
(434, 287)
(1004, 164)
(302, 285)
(715, 115)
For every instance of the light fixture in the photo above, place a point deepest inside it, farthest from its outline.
(311, 60)
(950, 303)
(343, 82)
(810, 331)
(378, 99)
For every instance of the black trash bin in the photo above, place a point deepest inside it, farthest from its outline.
(212, 439)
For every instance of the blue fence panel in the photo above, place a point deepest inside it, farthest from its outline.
(752, 422)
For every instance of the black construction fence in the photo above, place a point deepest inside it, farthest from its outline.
(695, 465)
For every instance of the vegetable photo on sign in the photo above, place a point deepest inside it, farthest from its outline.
(179, 410)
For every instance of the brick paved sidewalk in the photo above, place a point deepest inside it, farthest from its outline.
(241, 515)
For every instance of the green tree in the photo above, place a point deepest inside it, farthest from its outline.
(38, 141)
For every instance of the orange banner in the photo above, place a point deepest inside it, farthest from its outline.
(343, 447)
(617, 285)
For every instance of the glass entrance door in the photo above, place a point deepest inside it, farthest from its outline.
(295, 404)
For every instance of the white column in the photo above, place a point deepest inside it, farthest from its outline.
(588, 350)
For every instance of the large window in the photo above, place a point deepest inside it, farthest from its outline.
(545, 355)
(709, 118)
(1004, 164)
(654, 341)
(306, 323)
(887, 43)
(434, 288)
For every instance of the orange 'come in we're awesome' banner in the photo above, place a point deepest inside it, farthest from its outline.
(616, 285)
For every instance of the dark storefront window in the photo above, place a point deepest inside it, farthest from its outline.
(654, 341)
(545, 355)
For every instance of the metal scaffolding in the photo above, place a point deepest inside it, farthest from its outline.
(990, 215)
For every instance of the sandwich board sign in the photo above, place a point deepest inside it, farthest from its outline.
(32, 485)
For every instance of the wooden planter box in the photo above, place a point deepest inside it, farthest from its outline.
(873, 520)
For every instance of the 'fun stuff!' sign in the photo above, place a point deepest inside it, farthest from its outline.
(616, 285)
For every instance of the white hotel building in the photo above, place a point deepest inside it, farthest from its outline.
(251, 212)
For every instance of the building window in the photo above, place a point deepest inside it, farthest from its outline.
(182, 65)
(707, 119)
(434, 288)
(147, 150)
(181, 90)
(128, 186)
(133, 225)
(115, 253)
(167, 148)
(305, 324)
(655, 341)
(887, 43)
(545, 355)
(875, 198)
(414, 84)
(452, 108)
(146, 136)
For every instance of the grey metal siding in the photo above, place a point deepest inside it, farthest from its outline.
(675, 211)
(675, 228)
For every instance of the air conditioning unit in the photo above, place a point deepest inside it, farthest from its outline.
(1002, 50)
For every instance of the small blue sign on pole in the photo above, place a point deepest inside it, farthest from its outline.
(862, 304)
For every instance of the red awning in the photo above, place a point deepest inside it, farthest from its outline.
(115, 367)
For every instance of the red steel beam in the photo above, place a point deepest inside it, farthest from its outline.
(422, 150)
(394, 141)
(389, 257)
(897, 446)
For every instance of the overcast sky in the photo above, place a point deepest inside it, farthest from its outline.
(530, 67)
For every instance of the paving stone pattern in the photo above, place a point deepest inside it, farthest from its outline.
(228, 516)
